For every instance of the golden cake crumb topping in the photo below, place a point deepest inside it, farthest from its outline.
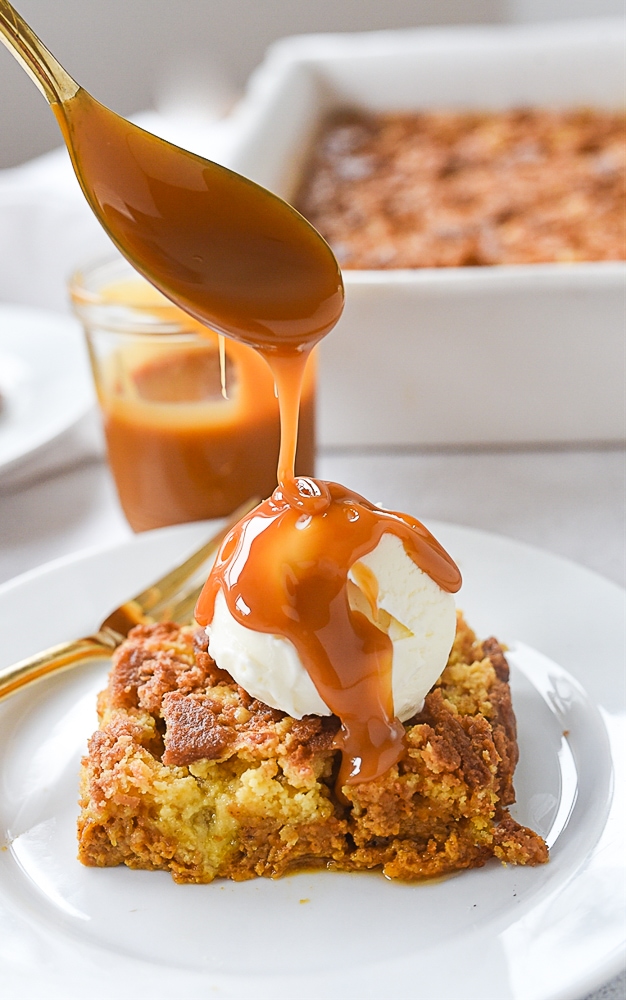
(455, 189)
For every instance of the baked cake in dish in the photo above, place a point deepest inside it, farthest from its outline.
(452, 189)
(189, 774)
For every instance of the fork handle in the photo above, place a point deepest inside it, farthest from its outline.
(58, 658)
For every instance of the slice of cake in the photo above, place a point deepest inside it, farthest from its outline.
(189, 774)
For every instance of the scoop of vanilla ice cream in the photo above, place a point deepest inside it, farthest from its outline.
(419, 617)
(393, 592)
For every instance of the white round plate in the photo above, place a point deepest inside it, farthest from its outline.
(45, 382)
(494, 933)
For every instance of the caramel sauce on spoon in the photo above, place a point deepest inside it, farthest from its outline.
(228, 252)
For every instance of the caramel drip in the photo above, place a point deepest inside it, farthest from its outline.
(288, 371)
(285, 571)
(244, 263)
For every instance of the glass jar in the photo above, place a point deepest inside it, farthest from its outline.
(191, 418)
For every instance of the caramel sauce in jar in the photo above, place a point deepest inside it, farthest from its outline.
(188, 459)
(178, 448)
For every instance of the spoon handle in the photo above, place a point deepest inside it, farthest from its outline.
(54, 83)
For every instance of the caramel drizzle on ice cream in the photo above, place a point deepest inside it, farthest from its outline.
(284, 571)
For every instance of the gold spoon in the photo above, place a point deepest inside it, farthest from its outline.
(236, 257)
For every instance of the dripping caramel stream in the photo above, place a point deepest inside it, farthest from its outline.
(245, 264)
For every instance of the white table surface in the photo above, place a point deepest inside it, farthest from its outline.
(568, 501)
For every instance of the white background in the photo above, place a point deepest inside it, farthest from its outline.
(135, 54)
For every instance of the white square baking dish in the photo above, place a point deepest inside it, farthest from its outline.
(453, 356)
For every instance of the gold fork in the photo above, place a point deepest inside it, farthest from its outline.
(172, 598)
